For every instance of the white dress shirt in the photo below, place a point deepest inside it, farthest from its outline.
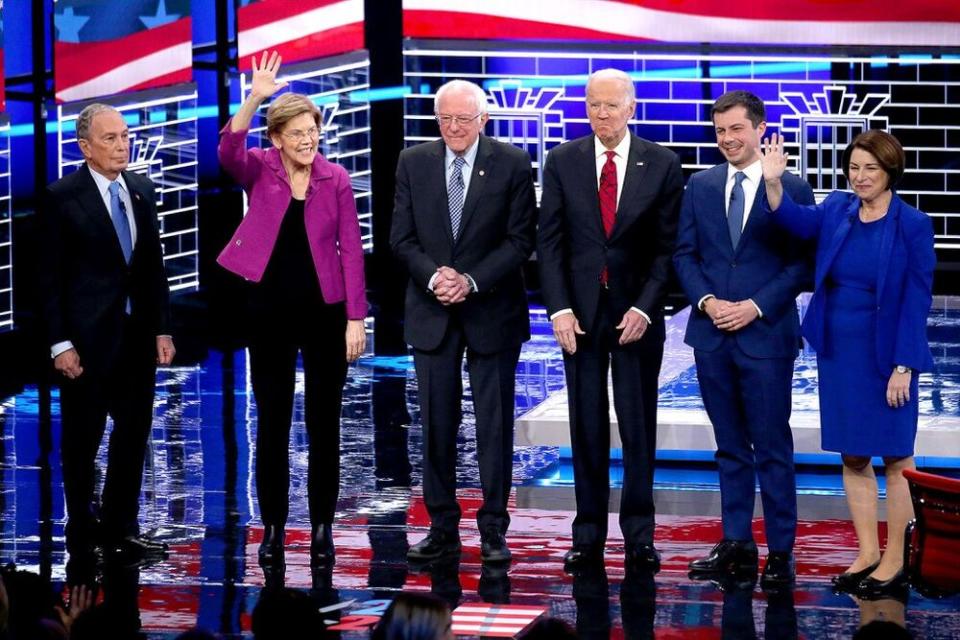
(469, 158)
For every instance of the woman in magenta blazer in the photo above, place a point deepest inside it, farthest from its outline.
(299, 243)
(867, 320)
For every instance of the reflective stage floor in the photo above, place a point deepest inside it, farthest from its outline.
(200, 497)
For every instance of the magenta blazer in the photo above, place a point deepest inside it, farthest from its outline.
(330, 214)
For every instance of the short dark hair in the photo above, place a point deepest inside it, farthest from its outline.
(413, 616)
(756, 112)
(884, 147)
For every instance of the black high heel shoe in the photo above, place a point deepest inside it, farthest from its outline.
(873, 589)
(322, 553)
(270, 553)
(848, 581)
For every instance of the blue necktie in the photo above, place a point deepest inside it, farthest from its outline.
(119, 216)
(735, 211)
(455, 193)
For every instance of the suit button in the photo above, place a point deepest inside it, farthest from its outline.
(733, 265)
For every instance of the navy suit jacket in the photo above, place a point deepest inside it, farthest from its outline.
(497, 234)
(904, 274)
(767, 266)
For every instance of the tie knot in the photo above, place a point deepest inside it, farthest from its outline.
(739, 176)
(610, 155)
(114, 188)
(458, 162)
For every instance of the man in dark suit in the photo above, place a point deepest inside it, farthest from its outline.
(463, 225)
(608, 219)
(105, 306)
(742, 275)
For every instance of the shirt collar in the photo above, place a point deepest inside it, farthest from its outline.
(103, 182)
(754, 171)
(468, 156)
(622, 149)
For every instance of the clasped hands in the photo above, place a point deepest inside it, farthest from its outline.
(450, 286)
(730, 316)
(566, 328)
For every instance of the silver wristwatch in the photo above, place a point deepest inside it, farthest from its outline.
(901, 369)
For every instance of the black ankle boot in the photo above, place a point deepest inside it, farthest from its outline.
(321, 546)
(270, 553)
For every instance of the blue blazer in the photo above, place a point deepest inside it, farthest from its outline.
(767, 266)
(904, 274)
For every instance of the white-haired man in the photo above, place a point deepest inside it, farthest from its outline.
(463, 225)
(608, 223)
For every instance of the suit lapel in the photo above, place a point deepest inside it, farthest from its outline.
(753, 220)
(438, 186)
(839, 235)
(482, 165)
(886, 242)
(586, 187)
(715, 209)
(633, 176)
(96, 212)
(141, 209)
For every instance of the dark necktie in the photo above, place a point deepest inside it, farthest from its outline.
(455, 194)
(735, 211)
(608, 200)
(119, 216)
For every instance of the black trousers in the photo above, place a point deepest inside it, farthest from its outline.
(440, 388)
(277, 338)
(124, 389)
(636, 369)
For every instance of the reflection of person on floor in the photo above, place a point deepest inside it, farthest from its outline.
(463, 226)
(867, 320)
(737, 623)
(884, 618)
(105, 304)
(300, 244)
(608, 221)
(742, 275)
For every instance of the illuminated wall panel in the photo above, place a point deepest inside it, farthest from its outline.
(818, 103)
(6, 229)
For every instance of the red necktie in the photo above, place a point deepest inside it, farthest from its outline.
(608, 199)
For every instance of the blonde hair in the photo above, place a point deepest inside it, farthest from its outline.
(286, 108)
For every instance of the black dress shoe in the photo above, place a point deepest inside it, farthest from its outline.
(582, 557)
(848, 581)
(322, 553)
(493, 547)
(729, 556)
(778, 572)
(873, 589)
(437, 544)
(642, 557)
(270, 553)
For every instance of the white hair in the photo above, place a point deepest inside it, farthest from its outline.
(479, 95)
(614, 74)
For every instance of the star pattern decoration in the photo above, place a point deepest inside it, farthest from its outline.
(161, 18)
(69, 24)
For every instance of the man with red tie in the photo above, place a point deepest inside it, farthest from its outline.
(608, 221)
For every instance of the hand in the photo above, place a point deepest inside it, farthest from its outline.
(734, 316)
(264, 83)
(81, 599)
(713, 306)
(165, 350)
(634, 325)
(774, 158)
(68, 363)
(566, 328)
(450, 287)
(898, 389)
(356, 339)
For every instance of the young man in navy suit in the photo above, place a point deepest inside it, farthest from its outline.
(742, 275)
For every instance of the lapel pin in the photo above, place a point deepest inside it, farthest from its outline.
(639, 164)
(481, 172)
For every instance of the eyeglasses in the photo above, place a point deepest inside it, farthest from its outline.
(296, 134)
(446, 121)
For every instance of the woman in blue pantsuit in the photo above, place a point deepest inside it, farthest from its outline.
(867, 320)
